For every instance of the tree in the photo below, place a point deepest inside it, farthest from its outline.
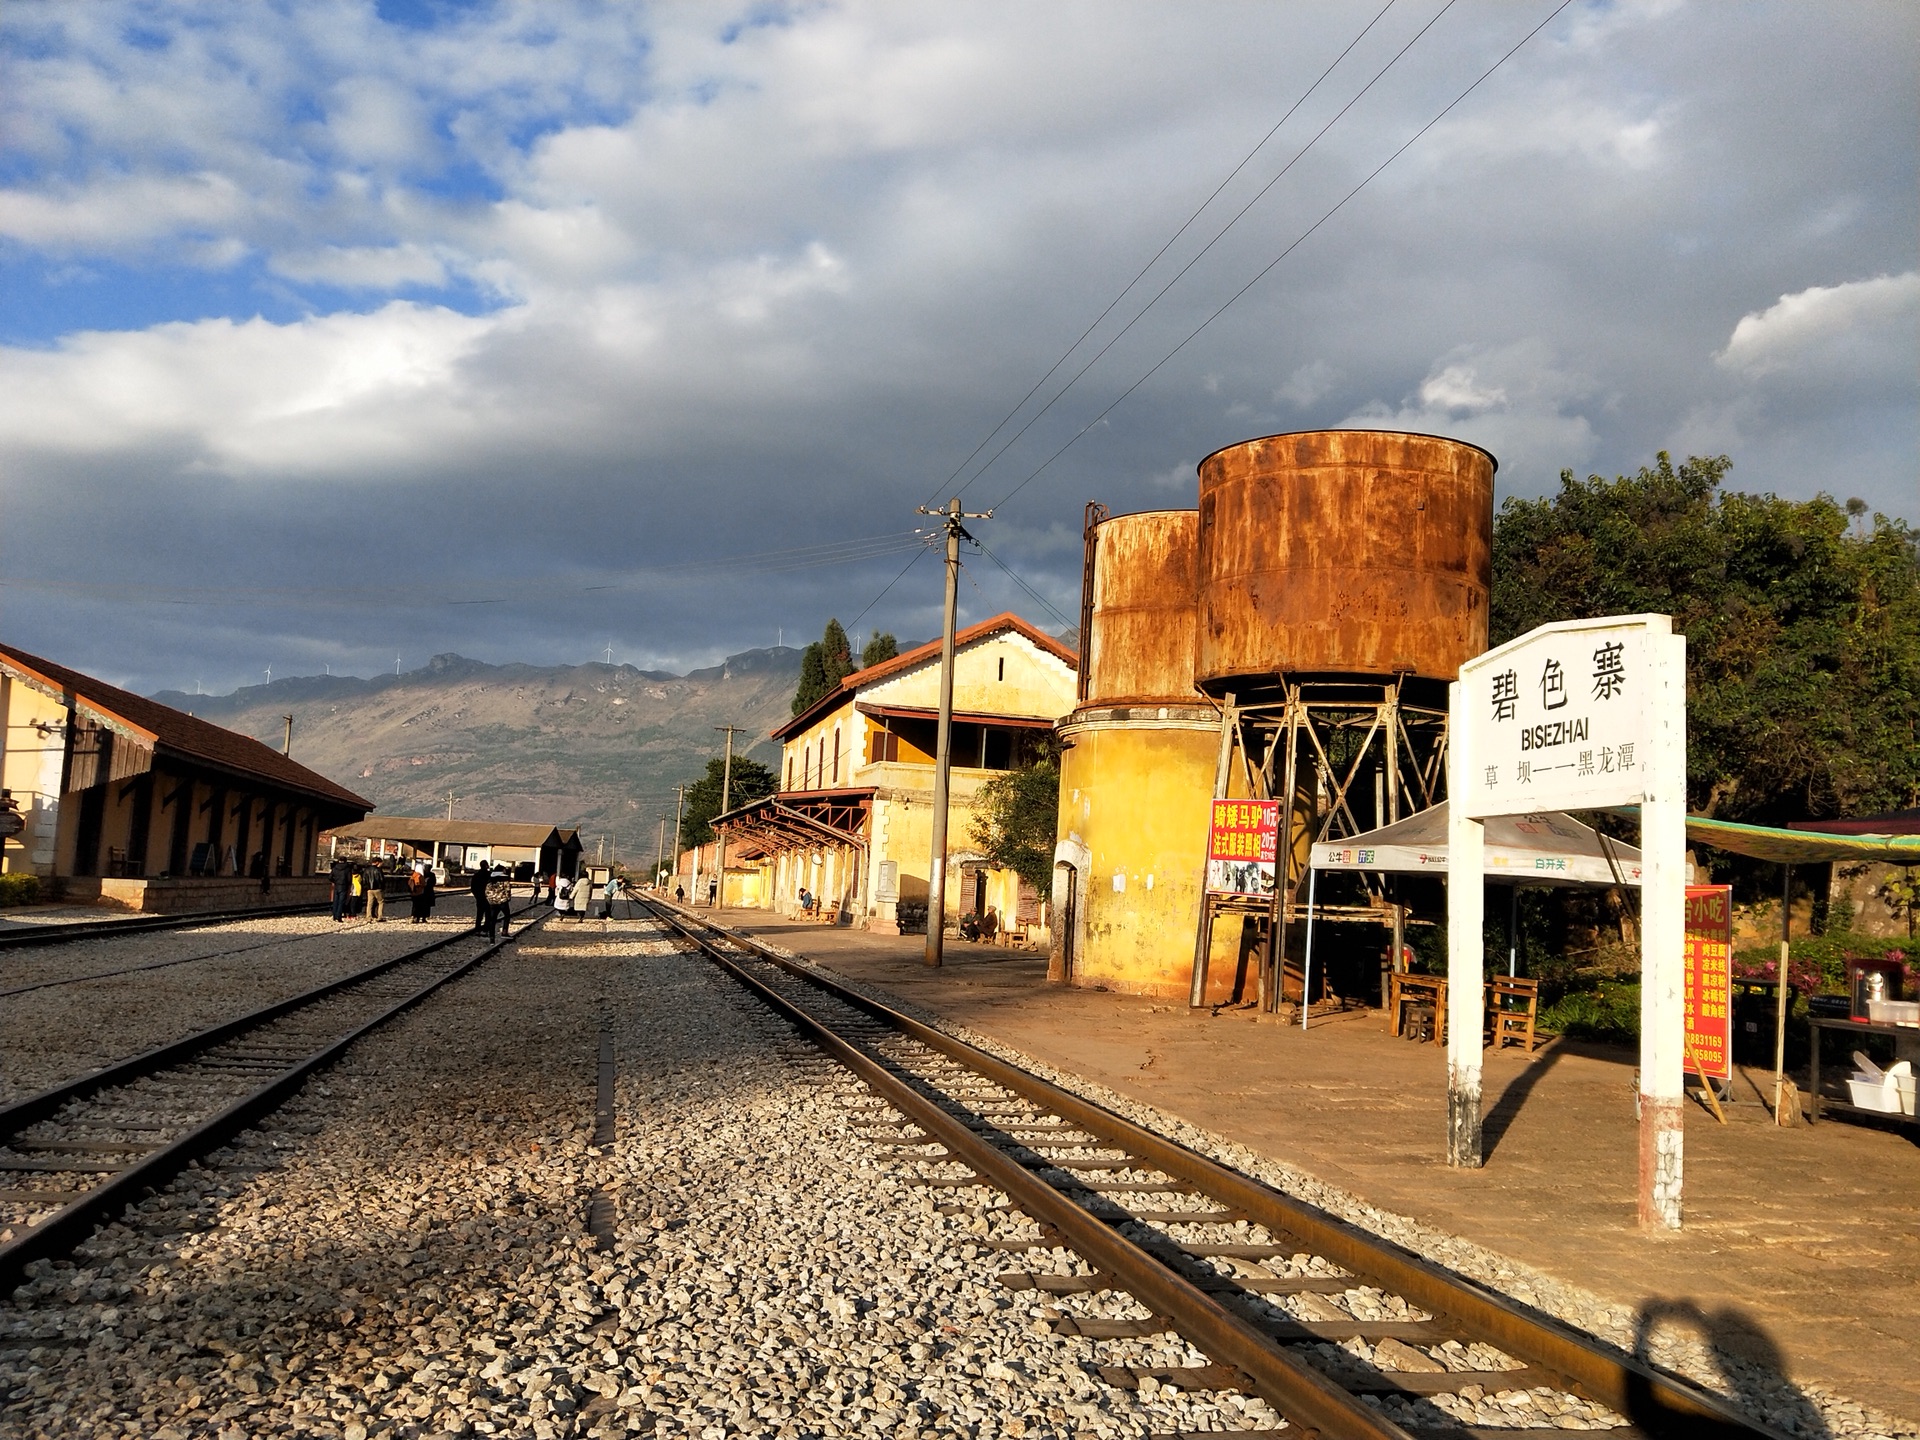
(751, 781)
(880, 646)
(1016, 820)
(823, 665)
(1803, 631)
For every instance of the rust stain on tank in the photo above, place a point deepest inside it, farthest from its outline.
(1145, 609)
(1348, 552)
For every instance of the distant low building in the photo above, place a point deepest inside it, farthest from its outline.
(463, 844)
(852, 821)
(130, 802)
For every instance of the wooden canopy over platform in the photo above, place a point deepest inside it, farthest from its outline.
(800, 820)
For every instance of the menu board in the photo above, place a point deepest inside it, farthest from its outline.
(1241, 847)
(1709, 980)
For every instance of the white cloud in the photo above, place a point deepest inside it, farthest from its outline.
(1457, 388)
(363, 267)
(1857, 330)
(1308, 384)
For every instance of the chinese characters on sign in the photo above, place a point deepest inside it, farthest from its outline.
(1241, 847)
(1709, 980)
(1557, 720)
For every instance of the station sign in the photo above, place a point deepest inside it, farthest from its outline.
(1559, 719)
(1242, 844)
(1708, 986)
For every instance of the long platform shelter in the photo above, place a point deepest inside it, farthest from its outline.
(125, 801)
(464, 844)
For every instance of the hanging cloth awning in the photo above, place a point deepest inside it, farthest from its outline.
(1802, 847)
(1549, 848)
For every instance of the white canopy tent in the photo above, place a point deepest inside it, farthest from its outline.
(1546, 849)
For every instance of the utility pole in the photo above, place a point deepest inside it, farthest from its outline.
(720, 836)
(449, 804)
(660, 850)
(679, 805)
(286, 745)
(943, 750)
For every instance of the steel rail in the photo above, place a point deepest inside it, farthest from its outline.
(28, 936)
(34, 1108)
(1304, 1395)
(62, 1231)
(1660, 1402)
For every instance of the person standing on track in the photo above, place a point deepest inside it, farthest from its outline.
(375, 881)
(562, 896)
(499, 897)
(338, 872)
(479, 890)
(553, 887)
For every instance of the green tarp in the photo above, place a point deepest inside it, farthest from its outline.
(1802, 847)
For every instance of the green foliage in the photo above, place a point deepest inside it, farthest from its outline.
(823, 665)
(1803, 631)
(1610, 1012)
(880, 646)
(751, 781)
(1818, 963)
(18, 889)
(1015, 821)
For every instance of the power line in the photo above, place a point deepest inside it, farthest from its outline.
(1127, 289)
(1268, 267)
(1045, 603)
(1219, 235)
(854, 623)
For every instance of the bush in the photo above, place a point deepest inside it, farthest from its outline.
(1817, 964)
(19, 889)
(1610, 1012)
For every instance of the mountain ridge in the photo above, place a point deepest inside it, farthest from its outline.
(596, 746)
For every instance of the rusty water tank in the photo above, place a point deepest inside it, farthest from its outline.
(1342, 552)
(1141, 640)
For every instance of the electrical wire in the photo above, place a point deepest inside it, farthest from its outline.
(1219, 235)
(1269, 266)
(854, 624)
(1185, 225)
(1045, 603)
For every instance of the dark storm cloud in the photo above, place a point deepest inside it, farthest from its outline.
(525, 312)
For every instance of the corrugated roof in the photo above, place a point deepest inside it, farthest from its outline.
(186, 735)
(907, 659)
(455, 832)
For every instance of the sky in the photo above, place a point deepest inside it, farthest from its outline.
(336, 335)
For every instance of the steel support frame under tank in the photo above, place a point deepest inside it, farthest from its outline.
(1325, 741)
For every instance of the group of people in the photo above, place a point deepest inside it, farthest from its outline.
(575, 896)
(361, 890)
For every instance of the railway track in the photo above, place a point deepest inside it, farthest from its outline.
(28, 936)
(74, 1156)
(1340, 1332)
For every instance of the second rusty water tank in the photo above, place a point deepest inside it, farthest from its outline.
(1342, 552)
(1141, 641)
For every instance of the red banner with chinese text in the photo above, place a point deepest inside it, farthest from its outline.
(1709, 980)
(1241, 847)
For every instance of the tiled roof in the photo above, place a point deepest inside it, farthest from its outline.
(907, 659)
(186, 735)
(457, 832)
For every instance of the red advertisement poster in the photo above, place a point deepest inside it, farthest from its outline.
(1240, 849)
(1709, 983)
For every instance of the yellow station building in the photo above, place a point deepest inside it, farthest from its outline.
(852, 821)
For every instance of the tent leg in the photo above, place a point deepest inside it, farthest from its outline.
(1780, 996)
(1306, 966)
(1513, 931)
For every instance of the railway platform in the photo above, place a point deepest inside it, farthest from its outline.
(1801, 1252)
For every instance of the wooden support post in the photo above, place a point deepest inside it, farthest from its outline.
(1203, 935)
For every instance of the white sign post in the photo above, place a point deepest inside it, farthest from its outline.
(1576, 716)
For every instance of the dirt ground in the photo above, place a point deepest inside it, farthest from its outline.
(1800, 1244)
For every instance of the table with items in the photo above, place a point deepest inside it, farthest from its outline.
(1886, 1093)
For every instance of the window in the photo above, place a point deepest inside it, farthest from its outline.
(789, 770)
(836, 754)
(1003, 668)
